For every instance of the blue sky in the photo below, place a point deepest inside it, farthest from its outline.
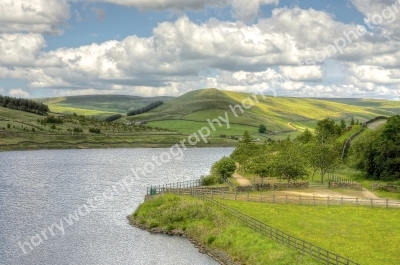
(170, 47)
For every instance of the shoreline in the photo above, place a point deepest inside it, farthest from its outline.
(218, 255)
(16, 147)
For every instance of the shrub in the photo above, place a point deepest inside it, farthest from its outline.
(208, 180)
(154, 224)
(224, 167)
(210, 240)
(94, 130)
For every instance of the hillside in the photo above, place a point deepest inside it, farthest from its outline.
(99, 105)
(190, 112)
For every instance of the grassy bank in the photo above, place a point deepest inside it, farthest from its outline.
(214, 229)
(368, 236)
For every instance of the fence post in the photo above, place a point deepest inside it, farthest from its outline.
(299, 200)
(273, 198)
(341, 200)
(286, 199)
(337, 259)
(222, 194)
(260, 197)
(211, 194)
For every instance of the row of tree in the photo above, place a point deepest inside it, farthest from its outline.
(24, 105)
(292, 160)
(377, 152)
(113, 117)
(149, 107)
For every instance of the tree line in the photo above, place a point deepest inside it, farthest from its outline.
(149, 107)
(23, 105)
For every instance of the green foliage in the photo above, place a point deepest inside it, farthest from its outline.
(24, 105)
(305, 137)
(78, 130)
(52, 119)
(8, 126)
(352, 121)
(288, 162)
(224, 167)
(246, 138)
(209, 180)
(113, 117)
(262, 129)
(149, 107)
(94, 130)
(343, 124)
(377, 153)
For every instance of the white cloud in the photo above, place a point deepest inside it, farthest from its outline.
(183, 55)
(302, 73)
(36, 16)
(18, 93)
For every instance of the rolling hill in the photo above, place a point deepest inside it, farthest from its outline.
(99, 105)
(190, 112)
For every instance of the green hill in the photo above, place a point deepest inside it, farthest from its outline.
(99, 105)
(284, 115)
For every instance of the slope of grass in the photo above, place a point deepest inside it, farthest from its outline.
(276, 113)
(368, 236)
(97, 104)
(216, 229)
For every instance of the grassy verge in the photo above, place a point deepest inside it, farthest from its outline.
(368, 236)
(215, 229)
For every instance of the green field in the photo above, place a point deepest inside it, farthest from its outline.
(365, 235)
(216, 229)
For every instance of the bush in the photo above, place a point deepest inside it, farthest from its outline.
(52, 119)
(224, 167)
(94, 130)
(77, 130)
(208, 180)
(262, 129)
(210, 239)
(8, 126)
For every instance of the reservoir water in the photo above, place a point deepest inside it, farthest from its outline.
(46, 218)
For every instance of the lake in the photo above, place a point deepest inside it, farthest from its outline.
(58, 207)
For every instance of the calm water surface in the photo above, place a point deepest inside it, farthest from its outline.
(40, 188)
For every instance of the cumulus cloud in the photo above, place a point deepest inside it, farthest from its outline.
(183, 55)
(18, 93)
(35, 16)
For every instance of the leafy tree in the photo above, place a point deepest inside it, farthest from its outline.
(324, 155)
(352, 121)
(246, 138)
(224, 167)
(262, 129)
(325, 129)
(377, 153)
(343, 124)
(305, 137)
(288, 162)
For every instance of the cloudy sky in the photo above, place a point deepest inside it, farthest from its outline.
(310, 48)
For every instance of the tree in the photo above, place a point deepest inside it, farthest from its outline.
(324, 156)
(305, 137)
(352, 121)
(224, 167)
(262, 129)
(343, 124)
(325, 129)
(289, 162)
(377, 153)
(246, 138)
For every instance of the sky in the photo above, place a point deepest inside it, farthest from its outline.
(308, 48)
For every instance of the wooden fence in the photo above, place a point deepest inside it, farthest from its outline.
(152, 190)
(322, 255)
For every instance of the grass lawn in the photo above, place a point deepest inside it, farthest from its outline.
(365, 235)
(216, 229)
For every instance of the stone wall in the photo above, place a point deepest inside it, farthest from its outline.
(343, 185)
(385, 187)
